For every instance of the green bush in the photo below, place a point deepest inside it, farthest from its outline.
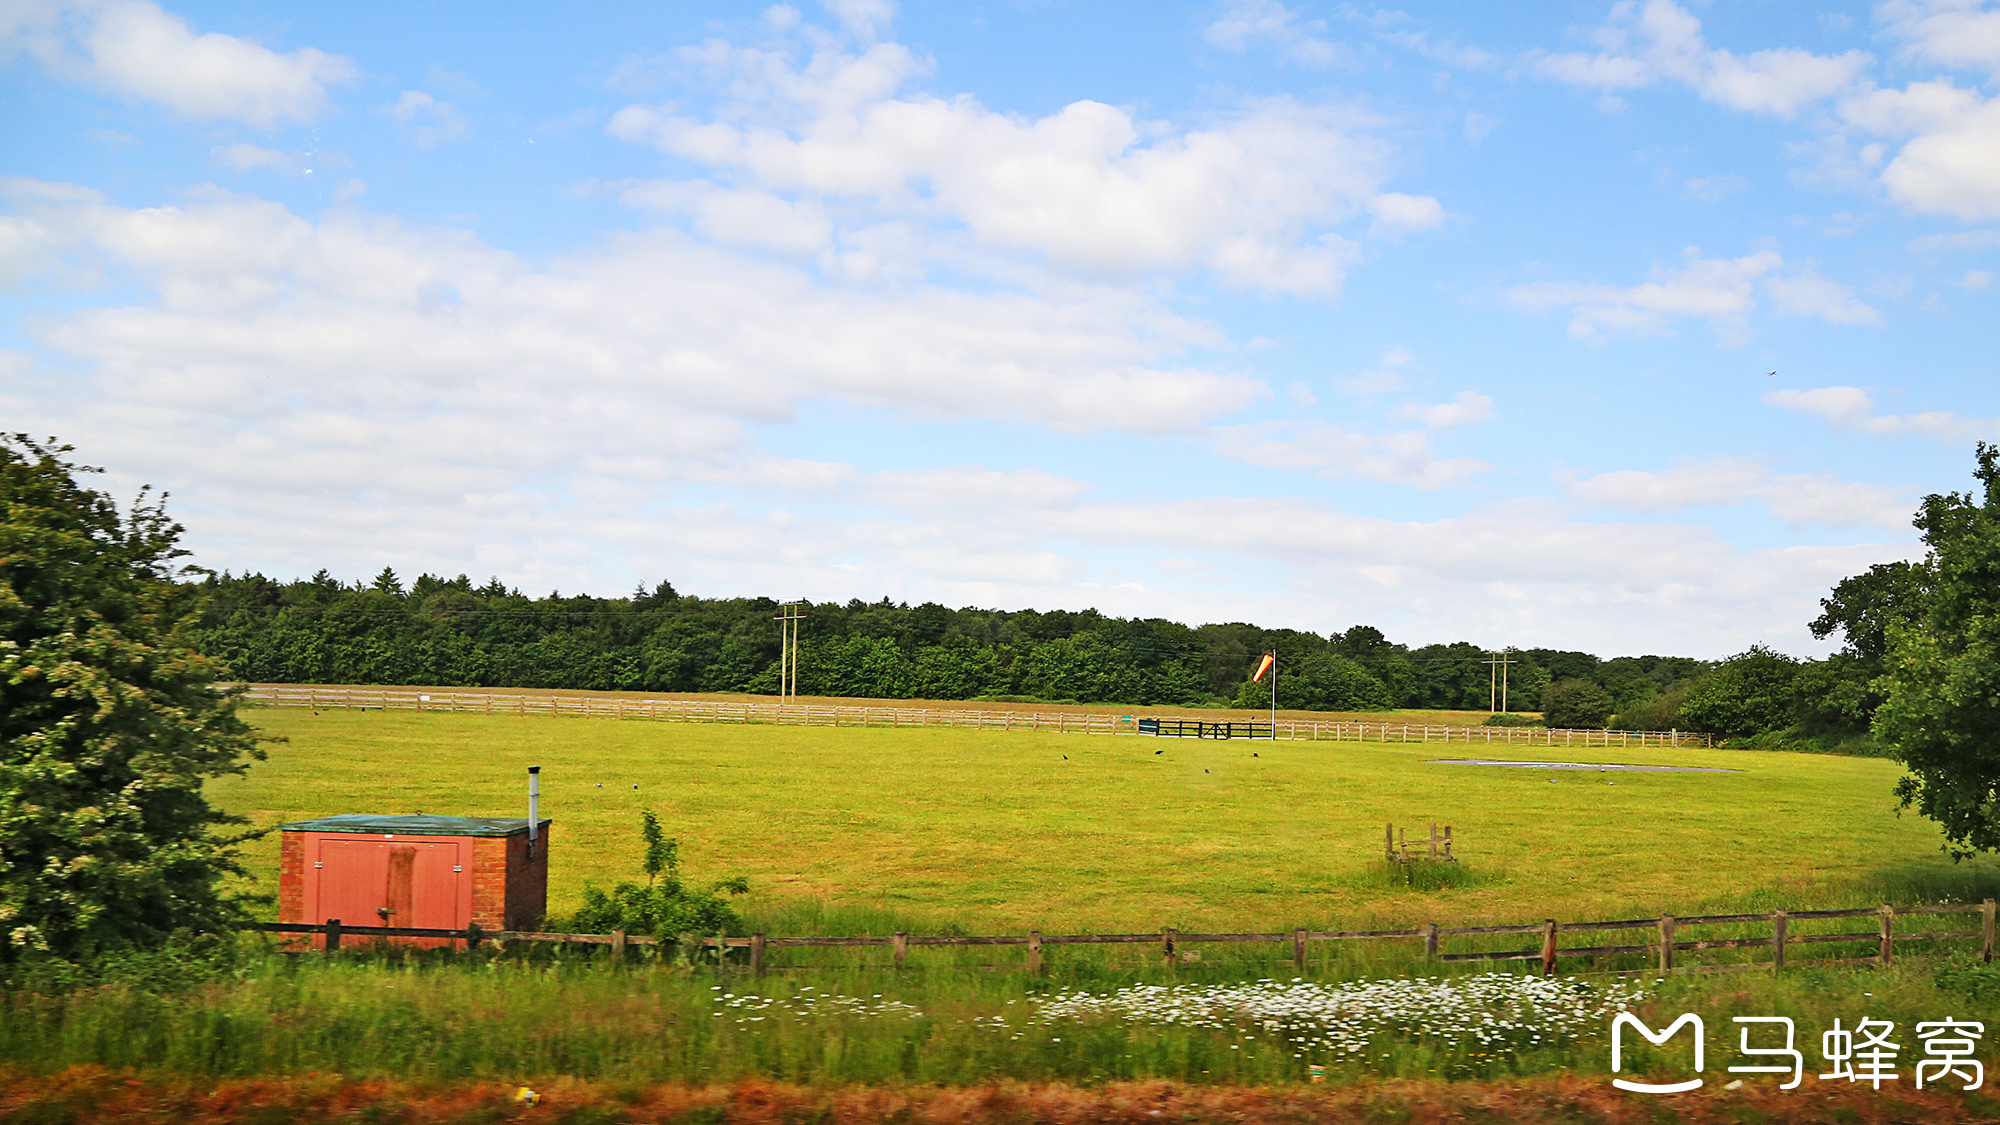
(1974, 980)
(666, 907)
(1575, 705)
(1661, 712)
(1508, 719)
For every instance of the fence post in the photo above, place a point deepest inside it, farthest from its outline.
(901, 945)
(333, 935)
(1666, 943)
(1034, 953)
(1434, 839)
(1887, 952)
(1389, 840)
(1779, 924)
(1170, 934)
(1548, 948)
(1299, 948)
(757, 954)
(1431, 942)
(618, 947)
(1986, 926)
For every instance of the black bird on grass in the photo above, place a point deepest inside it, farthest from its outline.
(1159, 751)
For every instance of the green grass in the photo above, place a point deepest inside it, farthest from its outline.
(861, 830)
(571, 1014)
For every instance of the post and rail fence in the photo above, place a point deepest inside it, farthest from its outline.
(1061, 722)
(1662, 951)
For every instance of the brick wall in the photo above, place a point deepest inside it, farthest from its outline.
(528, 882)
(292, 878)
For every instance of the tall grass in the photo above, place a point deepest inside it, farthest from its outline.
(445, 1016)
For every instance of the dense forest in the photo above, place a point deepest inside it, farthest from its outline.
(449, 632)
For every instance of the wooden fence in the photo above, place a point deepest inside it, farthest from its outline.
(1663, 950)
(801, 714)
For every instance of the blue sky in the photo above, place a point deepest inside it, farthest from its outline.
(1461, 322)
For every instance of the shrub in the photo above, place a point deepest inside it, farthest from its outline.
(1662, 712)
(666, 907)
(1508, 719)
(1575, 704)
(1974, 980)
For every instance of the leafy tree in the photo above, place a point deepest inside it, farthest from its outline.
(1575, 705)
(1942, 714)
(666, 907)
(110, 722)
(1748, 694)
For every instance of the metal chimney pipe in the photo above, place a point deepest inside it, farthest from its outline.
(534, 806)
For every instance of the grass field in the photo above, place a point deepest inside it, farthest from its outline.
(995, 831)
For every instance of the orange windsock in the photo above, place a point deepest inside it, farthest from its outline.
(1264, 667)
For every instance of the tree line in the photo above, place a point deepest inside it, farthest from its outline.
(448, 632)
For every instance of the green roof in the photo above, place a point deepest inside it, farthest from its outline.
(415, 824)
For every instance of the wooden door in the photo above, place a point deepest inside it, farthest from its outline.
(411, 881)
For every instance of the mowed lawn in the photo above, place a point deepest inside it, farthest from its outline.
(999, 831)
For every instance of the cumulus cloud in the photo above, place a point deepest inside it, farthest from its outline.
(1954, 33)
(138, 49)
(1950, 160)
(1644, 44)
(1852, 409)
(1254, 198)
(1312, 446)
(1795, 498)
(1722, 291)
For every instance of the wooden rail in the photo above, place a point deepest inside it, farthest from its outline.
(1549, 952)
(803, 714)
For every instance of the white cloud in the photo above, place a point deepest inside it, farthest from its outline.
(1796, 498)
(313, 357)
(426, 120)
(1267, 23)
(1958, 240)
(739, 218)
(1722, 291)
(1950, 165)
(1089, 190)
(1851, 409)
(1643, 44)
(138, 49)
(1312, 446)
(1805, 293)
(1955, 33)
(1464, 410)
(1710, 189)
(1385, 376)
(244, 156)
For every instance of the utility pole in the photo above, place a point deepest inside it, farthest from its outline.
(1496, 679)
(788, 616)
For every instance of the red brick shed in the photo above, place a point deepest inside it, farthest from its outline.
(442, 872)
